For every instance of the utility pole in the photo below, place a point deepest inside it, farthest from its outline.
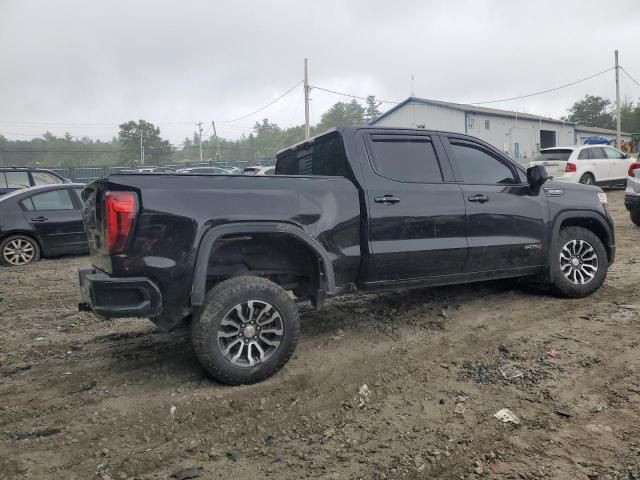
(141, 149)
(215, 134)
(200, 138)
(618, 132)
(306, 101)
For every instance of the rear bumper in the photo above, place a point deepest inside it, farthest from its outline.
(632, 202)
(115, 297)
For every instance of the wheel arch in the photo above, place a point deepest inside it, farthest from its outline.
(211, 241)
(591, 221)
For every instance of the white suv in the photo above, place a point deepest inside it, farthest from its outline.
(589, 164)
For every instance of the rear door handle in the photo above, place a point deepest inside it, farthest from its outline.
(480, 198)
(39, 219)
(387, 199)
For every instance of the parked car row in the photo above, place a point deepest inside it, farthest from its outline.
(254, 170)
(600, 165)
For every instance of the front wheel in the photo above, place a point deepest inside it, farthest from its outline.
(579, 263)
(247, 330)
(635, 218)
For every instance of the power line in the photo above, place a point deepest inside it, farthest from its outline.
(630, 77)
(262, 108)
(351, 96)
(545, 91)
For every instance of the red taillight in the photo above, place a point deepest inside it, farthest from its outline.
(632, 168)
(571, 168)
(119, 214)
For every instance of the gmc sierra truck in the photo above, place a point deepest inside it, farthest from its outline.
(354, 210)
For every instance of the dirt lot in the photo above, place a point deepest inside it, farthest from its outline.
(83, 399)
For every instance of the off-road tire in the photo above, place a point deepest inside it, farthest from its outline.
(220, 300)
(557, 279)
(587, 179)
(22, 238)
(635, 218)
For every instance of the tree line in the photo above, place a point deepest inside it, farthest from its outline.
(262, 143)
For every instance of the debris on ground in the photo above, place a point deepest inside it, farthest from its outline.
(363, 395)
(510, 372)
(564, 412)
(460, 409)
(506, 416)
(186, 473)
(552, 353)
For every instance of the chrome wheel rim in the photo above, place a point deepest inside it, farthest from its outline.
(578, 262)
(19, 251)
(250, 333)
(588, 180)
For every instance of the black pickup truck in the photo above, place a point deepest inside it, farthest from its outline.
(352, 210)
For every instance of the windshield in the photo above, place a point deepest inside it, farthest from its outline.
(561, 154)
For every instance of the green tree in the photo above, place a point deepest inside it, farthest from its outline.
(371, 111)
(592, 111)
(156, 150)
(630, 116)
(342, 114)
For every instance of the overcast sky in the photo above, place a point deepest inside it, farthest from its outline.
(86, 66)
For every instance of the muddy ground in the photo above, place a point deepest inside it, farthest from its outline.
(83, 399)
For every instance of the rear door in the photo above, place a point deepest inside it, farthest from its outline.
(504, 218)
(601, 164)
(416, 214)
(56, 217)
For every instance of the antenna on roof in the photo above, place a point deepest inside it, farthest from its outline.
(413, 93)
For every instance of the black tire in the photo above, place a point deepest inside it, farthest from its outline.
(565, 286)
(30, 247)
(221, 303)
(587, 179)
(635, 218)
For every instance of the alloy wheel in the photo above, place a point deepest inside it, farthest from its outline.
(19, 251)
(578, 261)
(250, 333)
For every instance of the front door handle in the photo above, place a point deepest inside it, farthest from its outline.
(480, 198)
(39, 219)
(387, 199)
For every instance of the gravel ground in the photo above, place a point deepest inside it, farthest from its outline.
(82, 398)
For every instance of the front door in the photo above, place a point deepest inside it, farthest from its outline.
(57, 220)
(416, 219)
(505, 225)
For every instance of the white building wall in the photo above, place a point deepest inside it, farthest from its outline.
(420, 115)
(503, 132)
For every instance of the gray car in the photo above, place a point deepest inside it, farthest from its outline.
(632, 193)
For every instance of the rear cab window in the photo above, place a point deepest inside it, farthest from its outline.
(324, 156)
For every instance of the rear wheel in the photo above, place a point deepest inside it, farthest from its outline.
(17, 250)
(587, 179)
(579, 263)
(635, 218)
(247, 330)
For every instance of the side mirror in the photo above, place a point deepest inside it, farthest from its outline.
(537, 175)
(625, 155)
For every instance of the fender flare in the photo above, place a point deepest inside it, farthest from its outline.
(198, 289)
(582, 214)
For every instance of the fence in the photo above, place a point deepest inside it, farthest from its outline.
(86, 174)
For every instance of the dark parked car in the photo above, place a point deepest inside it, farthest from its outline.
(352, 210)
(15, 178)
(41, 221)
(632, 193)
